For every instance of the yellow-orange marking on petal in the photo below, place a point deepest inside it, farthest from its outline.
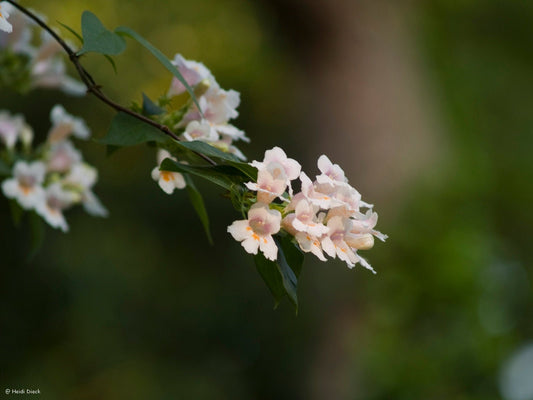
(167, 176)
(26, 190)
(255, 237)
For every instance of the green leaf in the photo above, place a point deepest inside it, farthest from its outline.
(293, 255)
(290, 281)
(150, 108)
(126, 130)
(112, 62)
(270, 273)
(16, 212)
(278, 275)
(124, 30)
(68, 28)
(213, 152)
(199, 205)
(222, 175)
(97, 38)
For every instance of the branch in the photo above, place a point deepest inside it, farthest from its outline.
(92, 87)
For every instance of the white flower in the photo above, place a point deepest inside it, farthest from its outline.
(271, 183)
(331, 173)
(48, 68)
(200, 131)
(83, 177)
(219, 105)
(4, 24)
(334, 243)
(193, 72)
(64, 124)
(25, 186)
(167, 180)
(230, 133)
(310, 244)
(365, 223)
(256, 232)
(92, 204)
(306, 220)
(276, 155)
(62, 156)
(323, 200)
(11, 127)
(57, 199)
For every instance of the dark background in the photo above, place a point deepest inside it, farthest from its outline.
(428, 108)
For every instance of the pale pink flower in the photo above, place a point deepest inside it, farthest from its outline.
(82, 177)
(331, 173)
(306, 220)
(271, 183)
(323, 200)
(25, 186)
(57, 199)
(219, 105)
(11, 127)
(64, 125)
(193, 72)
(334, 243)
(365, 223)
(203, 131)
(290, 166)
(310, 244)
(255, 233)
(62, 156)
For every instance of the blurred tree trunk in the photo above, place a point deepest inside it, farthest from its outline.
(372, 112)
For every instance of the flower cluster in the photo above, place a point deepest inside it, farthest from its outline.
(210, 123)
(324, 217)
(52, 177)
(28, 64)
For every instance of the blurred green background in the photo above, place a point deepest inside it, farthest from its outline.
(428, 108)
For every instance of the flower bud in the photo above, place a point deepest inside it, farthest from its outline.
(362, 242)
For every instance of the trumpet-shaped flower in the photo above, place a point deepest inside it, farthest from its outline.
(82, 177)
(56, 200)
(167, 180)
(200, 131)
(51, 73)
(193, 72)
(334, 243)
(365, 223)
(62, 156)
(305, 219)
(271, 183)
(276, 155)
(331, 173)
(219, 105)
(323, 200)
(310, 244)
(4, 15)
(25, 186)
(64, 124)
(11, 127)
(255, 233)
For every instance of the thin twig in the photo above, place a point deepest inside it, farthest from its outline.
(92, 87)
